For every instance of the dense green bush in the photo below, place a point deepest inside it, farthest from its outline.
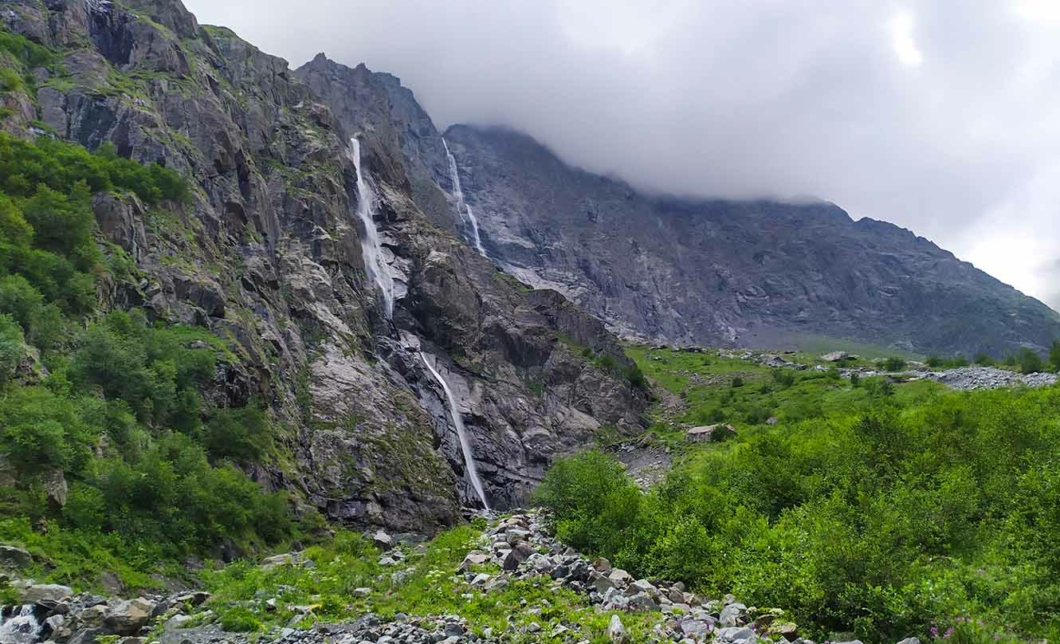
(119, 410)
(1029, 361)
(893, 364)
(885, 523)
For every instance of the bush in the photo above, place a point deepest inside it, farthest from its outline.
(783, 377)
(737, 382)
(883, 524)
(242, 435)
(12, 348)
(1054, 355)
(1029, 361)
(594, 506)
(894, 364)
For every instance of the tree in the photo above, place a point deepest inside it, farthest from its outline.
(1029, 361)
(1054, 355)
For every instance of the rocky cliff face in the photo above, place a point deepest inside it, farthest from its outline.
(268, 256)
(754, 273)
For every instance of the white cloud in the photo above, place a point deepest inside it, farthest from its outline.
(901, 28)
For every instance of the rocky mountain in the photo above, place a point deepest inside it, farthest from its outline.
(752, 273)
(269, 255)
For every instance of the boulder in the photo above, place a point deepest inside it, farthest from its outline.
(13, 558)
(520, 553)
(383, 540)
(710, 433)
(129, 616)
(735, 635)
(47, 595)
(734, 614)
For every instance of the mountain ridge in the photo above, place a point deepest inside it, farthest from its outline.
(521, 188)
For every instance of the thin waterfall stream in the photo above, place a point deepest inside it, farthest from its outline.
(465, 446)
(374, 263)
(461, 204)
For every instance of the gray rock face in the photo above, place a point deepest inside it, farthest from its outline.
(754, 273)
(12, 557)
(269, 254)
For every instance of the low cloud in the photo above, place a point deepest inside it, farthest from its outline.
(939, 116)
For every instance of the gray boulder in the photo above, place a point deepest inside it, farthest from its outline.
(14, 558)
(520, 553)
(129, 616)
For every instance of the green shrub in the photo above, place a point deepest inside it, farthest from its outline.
(12, 348)
(242, 435)
(1054, 355)
(894, 364)
(885, 524)
(10, 81)
(1029, 361)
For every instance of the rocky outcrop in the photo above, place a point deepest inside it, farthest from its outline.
(709, 272)
(267, 255)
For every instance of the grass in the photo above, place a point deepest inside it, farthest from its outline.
(710, 388)
(820, 344)
(428, 583)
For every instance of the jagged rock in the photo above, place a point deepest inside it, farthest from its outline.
(735, 635)
(710, 433)
(602, 565)
(383, 540)
(47, 595)
(520, 553)
(54, 484)
(12, 557)
(129, 616)
(733, 614)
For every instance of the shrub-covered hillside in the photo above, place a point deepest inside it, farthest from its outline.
(905, 509)
(112, 458)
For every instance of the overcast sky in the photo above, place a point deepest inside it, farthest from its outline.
(942, 117)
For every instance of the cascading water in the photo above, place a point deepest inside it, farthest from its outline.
(465, 446)
(378, 270)
(20, 628)
(461, 205)
(474, 231)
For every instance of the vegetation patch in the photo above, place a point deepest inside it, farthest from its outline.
(883, 509)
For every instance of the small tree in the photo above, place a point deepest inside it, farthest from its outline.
(1029, 361)
(893, 364)
(1054, 355)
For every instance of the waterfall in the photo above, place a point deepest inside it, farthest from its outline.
(374, 264)
(461, 204)
(474, 231)
(21, 628)
(465, 446)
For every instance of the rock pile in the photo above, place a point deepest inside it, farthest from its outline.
(968, 378)
(513, 548)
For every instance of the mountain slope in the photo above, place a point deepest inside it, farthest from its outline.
(267, 257)
(754, 273)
